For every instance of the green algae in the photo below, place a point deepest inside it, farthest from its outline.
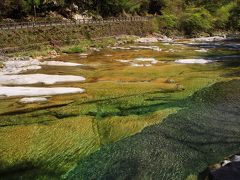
(184, 144)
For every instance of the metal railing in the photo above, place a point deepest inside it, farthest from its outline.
(27, 25)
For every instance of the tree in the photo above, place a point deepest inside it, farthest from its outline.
(196, 20)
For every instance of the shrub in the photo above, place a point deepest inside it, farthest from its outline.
(234, 19)
(168, 21)
(223, 15)
(73, 49)
(165, 23)
(196, 20)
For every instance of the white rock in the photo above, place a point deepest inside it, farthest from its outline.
(59, 63)
(38, 78)
(209, 39)
(137, 65)
(225, 162)
(32, 99)
(83, 54)
(123, 61)
(144, 59)
(15, 66)
(152, 60)
(201, 50)
(147, 65)
(166, 44)
(35, 91)
(121, 48)
(236, 158)
(81, 17)
(166, 39)
(147, 40)
(193, 61)
(155, 48)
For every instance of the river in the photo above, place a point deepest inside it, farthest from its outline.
(163, 110)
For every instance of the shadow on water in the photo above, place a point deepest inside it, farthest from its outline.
(184, 144)
(27, 170)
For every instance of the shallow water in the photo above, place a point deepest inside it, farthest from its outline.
(68, 135)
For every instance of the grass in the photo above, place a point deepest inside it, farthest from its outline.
(72, 49)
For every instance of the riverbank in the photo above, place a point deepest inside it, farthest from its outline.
(45, 38)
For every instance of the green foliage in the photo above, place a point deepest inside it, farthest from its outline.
(73, 49)
(235, 17)
(196, 20)
(223, 15)
(168, 21)
(165, 23)
(209, 14)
